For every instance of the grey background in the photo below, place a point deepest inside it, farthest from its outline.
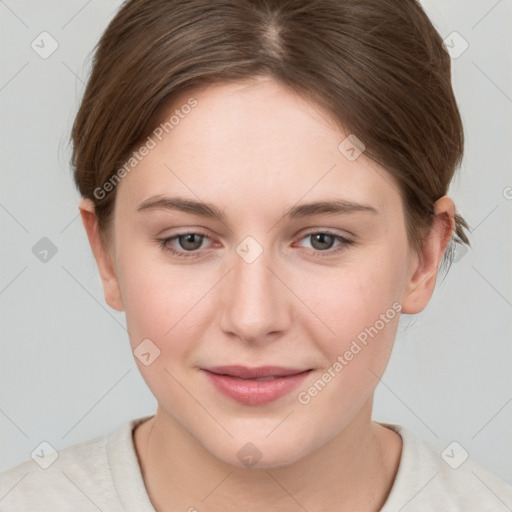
(67, 373)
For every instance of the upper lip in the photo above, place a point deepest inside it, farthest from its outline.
(253, 373)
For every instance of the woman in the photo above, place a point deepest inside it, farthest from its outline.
(264, 191)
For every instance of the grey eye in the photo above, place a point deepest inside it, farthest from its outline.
(322, 241)
(190, 241)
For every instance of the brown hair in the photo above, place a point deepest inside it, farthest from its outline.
(377, 66)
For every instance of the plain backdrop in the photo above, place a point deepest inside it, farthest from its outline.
(67, 372)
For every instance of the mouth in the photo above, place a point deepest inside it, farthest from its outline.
(255, 386)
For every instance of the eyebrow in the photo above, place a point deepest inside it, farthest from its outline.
(334, 207)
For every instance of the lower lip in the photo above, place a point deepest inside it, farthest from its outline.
(256, 392)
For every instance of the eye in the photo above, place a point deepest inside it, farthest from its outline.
(183, 243)
(187, 245)
(190, 241)
(323, 242)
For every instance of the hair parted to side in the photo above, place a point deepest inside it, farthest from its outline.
(377, 66)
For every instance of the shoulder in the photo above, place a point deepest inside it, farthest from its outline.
(78, 477)
(53, 478)
(432, 478)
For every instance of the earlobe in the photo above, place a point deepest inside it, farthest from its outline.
(425, 265)
(101, 254)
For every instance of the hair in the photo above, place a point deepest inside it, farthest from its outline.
(378, 67)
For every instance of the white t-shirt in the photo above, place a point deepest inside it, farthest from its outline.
(104, 474)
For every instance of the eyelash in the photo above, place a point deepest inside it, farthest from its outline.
(164, 244)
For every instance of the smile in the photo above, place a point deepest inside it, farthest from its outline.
(255, 386)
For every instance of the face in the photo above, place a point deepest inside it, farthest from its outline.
(270, 282)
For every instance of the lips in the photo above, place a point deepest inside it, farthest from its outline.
(262, 372)
(255, 386)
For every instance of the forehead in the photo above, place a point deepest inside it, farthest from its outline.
(252, 144)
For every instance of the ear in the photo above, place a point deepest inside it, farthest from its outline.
(101, 254)
(424, 266)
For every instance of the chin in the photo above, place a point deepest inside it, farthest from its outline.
(259, 452)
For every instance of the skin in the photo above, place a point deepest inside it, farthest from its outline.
(254, 149)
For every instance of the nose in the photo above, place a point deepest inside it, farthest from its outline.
(256, 305)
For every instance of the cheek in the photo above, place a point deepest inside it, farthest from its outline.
(359, 311)
(363, 312)
(352, 297)
(160, 306)
(164, 303)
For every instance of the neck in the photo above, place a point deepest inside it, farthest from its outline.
(353, 471)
